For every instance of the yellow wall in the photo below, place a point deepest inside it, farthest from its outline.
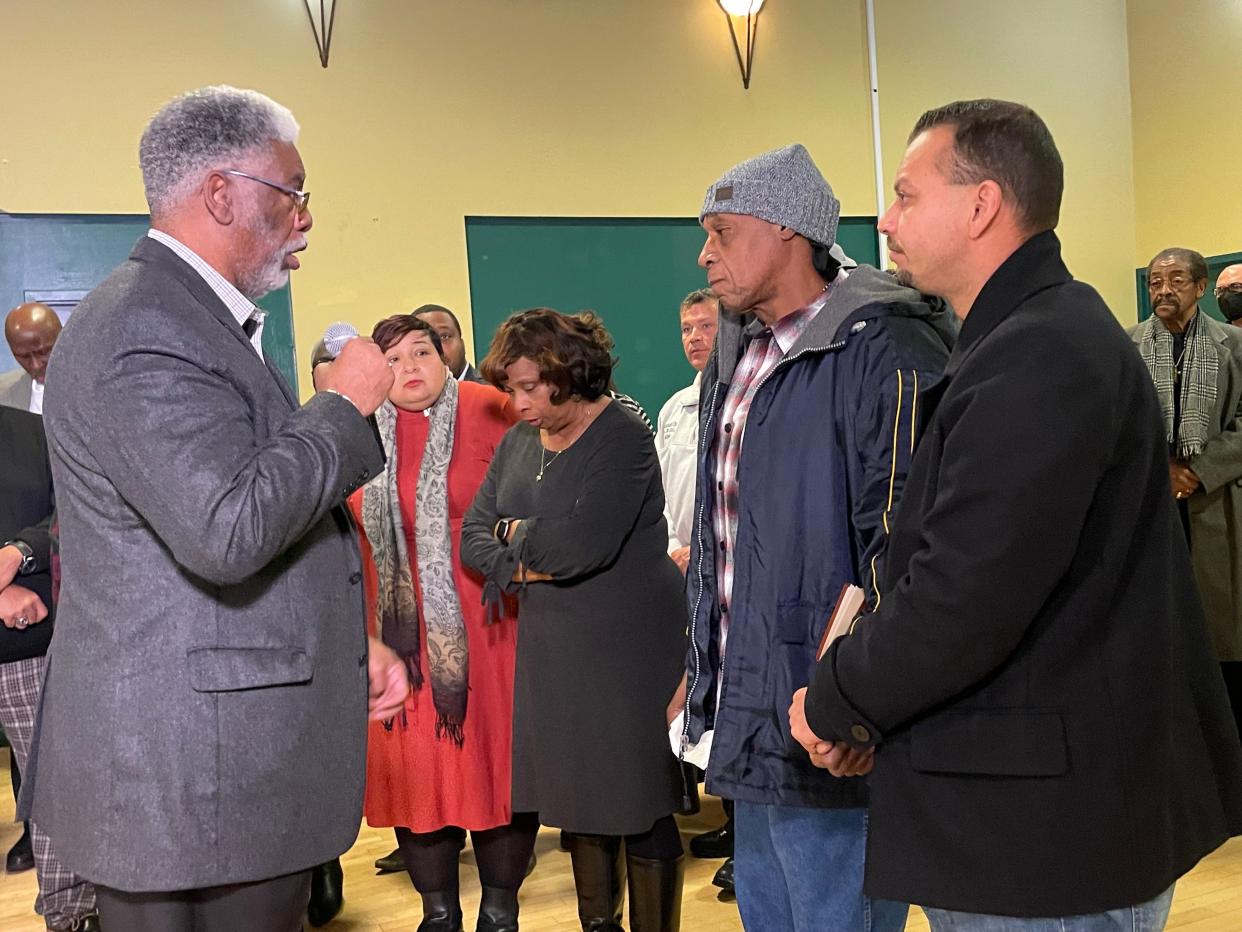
(1066, 59)
(432, 111)
(1186, 83)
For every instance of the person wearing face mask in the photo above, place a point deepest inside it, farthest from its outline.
(1196, 365)
(31, 331)
(571, 518)
(1229, 293)
(442, 766)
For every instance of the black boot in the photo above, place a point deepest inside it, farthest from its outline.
(441, 912)
(498, 910)
(599, 879)
(655, 894)
(327, 893)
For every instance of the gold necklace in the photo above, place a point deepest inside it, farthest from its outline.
(542, 465)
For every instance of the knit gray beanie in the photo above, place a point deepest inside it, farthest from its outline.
(782, 186)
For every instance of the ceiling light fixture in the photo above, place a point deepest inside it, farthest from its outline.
(737, 9)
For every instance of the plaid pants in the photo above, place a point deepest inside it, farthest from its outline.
(64, 897)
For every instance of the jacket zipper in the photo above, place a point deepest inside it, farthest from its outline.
(698, 601)
(694, 618)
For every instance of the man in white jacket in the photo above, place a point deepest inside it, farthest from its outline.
(678, 423)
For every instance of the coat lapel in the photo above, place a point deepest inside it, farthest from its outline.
(156, 253)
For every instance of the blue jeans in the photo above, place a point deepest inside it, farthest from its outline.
(1146, 917)
(801, 870)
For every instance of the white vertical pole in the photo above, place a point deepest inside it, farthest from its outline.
(881, 188)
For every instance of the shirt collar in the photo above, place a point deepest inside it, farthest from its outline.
(241, 307)
(789, 328)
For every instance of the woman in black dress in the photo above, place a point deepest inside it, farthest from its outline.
(571, 515)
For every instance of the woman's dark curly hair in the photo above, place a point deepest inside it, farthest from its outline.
(573, 352)
(392, 330)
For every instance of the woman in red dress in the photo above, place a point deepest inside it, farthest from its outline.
(443, 766)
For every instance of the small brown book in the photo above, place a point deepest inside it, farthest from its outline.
(847, 611)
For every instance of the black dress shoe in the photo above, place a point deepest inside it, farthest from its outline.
(327, 894)
(717, 844)
(724, 880)
(21, 855)
(390, 863)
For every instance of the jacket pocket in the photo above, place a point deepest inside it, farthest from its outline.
(995, 743)
(225, 669)
(800, 622)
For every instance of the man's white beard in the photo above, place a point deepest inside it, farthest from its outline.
(267, 278)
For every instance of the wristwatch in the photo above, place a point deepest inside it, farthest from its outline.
(502, 529)
(28, 558)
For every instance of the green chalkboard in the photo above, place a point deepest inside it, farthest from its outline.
(632, 271)
(69, 254)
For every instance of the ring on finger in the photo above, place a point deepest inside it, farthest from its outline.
(21, 621)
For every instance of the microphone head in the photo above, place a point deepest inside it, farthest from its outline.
(337, 335)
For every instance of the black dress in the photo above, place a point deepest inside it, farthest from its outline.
(602, 648)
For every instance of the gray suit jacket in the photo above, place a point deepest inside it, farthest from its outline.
(15, 389)
(204, 710)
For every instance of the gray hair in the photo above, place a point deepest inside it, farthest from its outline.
(1194, 261)
(202, 130)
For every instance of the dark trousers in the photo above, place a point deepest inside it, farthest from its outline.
(273, 905)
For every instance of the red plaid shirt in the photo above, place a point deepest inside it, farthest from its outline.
(768, 347)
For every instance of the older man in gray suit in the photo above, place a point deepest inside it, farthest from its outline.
(204, 708)
(30, 330)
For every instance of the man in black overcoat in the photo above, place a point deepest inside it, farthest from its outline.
(1051, 734)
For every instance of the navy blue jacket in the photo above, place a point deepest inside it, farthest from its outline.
(828, 441)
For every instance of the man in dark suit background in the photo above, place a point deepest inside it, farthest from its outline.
(211, 650)
(1051, 736)
(27, 502)
(30, 330)
(448, 327)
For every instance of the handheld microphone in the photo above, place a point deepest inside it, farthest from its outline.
(337, 335)
(334, 340)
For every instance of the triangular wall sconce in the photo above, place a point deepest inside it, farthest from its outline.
(322, 28)
(739, 10)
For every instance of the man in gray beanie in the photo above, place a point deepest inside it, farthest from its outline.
(809, 411)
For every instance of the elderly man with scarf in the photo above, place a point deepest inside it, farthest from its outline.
(1196, 365)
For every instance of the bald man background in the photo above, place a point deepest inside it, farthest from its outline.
(1229, 293)
(31, 331)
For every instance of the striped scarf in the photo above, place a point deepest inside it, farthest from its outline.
(1198, 367)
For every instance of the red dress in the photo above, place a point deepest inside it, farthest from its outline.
(415, 780)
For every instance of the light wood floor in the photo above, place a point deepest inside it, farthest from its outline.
(1208, 900)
